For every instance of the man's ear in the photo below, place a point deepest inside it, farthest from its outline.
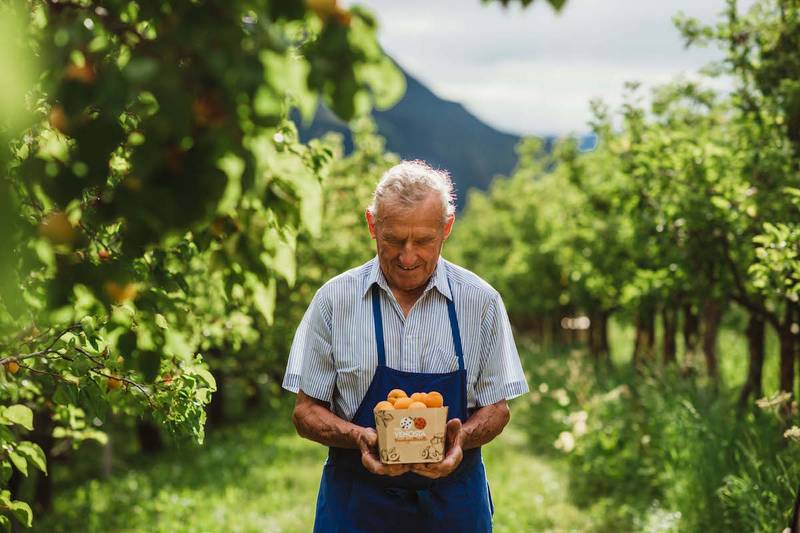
(448, 226)
(370, 222)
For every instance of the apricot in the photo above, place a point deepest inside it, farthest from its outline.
(403, 403)
(417, 405)
(394, 394)
(419, 397)
(120, 293)
(57, 228)
(113, 383)
(384, 405)
(434, 399)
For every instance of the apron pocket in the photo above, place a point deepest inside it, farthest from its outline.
(374, 507)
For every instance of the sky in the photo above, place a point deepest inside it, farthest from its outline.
(533, 71)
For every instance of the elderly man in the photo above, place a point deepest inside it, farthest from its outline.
(409, 320)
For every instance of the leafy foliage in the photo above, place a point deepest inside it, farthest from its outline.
(153, 200)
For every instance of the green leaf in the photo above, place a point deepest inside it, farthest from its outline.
(22, 511)
(87, 324)
(206, 376)
(557, 4)
(720, 202)
(263, 296)
(19, 414)
(34, 453)
(283, 259)
(19, 462)
(386, 82)
(177, 344)
(92, 400)
(233, 167)
(66, 394)
(161, 321)
(5, 471)
(311, 208)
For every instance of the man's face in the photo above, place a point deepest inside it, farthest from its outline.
(409, 241)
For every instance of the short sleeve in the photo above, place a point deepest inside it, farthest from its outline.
(500, 376)
(311, 366)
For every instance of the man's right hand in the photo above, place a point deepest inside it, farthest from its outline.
(367, 440)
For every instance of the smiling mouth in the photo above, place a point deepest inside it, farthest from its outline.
(407, 269)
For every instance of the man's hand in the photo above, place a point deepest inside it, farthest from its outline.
(452, 458)
(367, 441)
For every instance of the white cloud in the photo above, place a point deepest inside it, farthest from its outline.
(533, 71)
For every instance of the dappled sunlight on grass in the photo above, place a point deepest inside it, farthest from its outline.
(529, 492)
(255, 476)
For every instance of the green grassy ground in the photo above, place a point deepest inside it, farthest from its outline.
(259, 476)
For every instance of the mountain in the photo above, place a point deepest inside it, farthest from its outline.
(443, 133)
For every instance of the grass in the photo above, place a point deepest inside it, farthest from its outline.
(529, 491)
(255, 476)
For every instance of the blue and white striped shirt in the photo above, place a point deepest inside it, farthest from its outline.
(334, 355)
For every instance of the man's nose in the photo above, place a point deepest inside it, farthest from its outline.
(408, 256)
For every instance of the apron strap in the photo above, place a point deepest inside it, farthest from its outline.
(377, 318)
(451, 311)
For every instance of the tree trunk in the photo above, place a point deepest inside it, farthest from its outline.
(254, 396)
(539, 330)
(753, 387)
(150, 441)
(43, 436)
(644, 343)
(712, 317)
(594, 337)
(786, 339)
(670, 321)
(691, 329)
(555, 331)
(602, 329)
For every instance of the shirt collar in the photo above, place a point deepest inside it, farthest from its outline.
(438, 280)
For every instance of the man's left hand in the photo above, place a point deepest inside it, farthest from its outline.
(453, 457)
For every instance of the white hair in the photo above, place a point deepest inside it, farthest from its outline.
(411, 182)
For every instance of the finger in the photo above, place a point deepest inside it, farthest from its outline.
(426, 472)
(371, 462)
(453, 430)
(370, 437)
(396, 470)
(453, 453)
(449, 464)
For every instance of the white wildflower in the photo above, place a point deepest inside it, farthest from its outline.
(561, 397)
(777, 399)
(793, 433)
(578, 421)
(565, 442)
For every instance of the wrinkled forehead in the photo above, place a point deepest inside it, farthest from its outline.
(429, 212)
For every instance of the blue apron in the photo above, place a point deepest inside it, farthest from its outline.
(351, 499)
